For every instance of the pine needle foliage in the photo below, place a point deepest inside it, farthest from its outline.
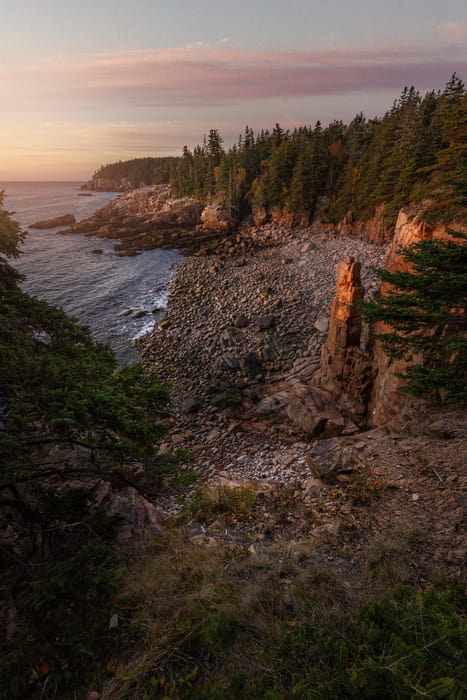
(11, 238)
(425, 309)
(343, 170)
(69, 418)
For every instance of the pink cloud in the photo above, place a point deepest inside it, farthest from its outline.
(199, 75)
(456, 31)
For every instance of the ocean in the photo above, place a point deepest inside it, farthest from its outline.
(98, 290)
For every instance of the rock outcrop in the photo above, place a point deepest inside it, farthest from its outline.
(149, 217)
(65, 220)
(346, 369)
(217, 218)
(279, 216)
(101, 184)
(387, 404)
(375, 229)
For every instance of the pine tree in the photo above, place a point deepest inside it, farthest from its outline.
(11, 238)
(69, 419)
(426, 309)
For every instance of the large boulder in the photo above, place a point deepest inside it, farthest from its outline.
(138, 515)
(328, 458)
(65, 220)
(217, 218)
(316, 412)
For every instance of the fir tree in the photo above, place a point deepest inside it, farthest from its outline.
(69, 419)
(426, 310)
(11, 238)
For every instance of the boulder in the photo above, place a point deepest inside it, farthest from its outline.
(190, 405)
(136, 512)
(316, 412)
(325, 459)
(228, 361)
(274, 405)
(265, 322)
(230, 337)
(241, 321)
(215, 217)
(251, 364)
(322, 323)
(330, 457)
(65, 220)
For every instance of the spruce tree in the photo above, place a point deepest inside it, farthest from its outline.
(11, 238)
(70, 421)
(426, 310)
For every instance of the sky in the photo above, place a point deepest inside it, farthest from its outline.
(92, 82)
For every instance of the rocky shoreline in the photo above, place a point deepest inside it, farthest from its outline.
(147, 218)
(242, 339)
(240, 322)
(236, 325)
(246, 316)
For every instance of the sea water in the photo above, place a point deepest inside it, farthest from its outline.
(97, 290)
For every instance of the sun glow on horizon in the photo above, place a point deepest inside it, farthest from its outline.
(93, 100)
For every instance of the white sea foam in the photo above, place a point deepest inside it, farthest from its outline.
(94, 289)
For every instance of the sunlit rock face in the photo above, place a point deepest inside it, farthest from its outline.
(346, 369)
(374, 229)
(101, 184)
(387, 403)
(215, 217)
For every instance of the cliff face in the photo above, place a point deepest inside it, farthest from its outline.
(373, 230)
(100, 184)
(280, 216)
(366, 382)
(387, 403)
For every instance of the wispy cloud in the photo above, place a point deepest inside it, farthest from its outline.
(454, 31)
(197, 75)
(65, 114)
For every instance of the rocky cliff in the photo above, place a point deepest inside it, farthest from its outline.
(375, 229)
(151, 217)
(101, 184)
(363, 381)
(387, 403)
(145, 218)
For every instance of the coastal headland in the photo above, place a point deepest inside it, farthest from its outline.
(241, 347)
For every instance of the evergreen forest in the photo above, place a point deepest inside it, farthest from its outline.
(140, 171)
(343, 171)
(87, 614)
